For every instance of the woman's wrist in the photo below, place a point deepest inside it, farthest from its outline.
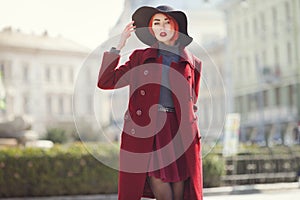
(119, 47)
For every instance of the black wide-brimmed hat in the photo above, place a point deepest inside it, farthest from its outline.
(143, 15)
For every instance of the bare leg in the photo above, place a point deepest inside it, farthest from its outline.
(161, 190)
(178, 189)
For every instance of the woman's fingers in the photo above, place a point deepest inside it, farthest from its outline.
(129, 28)
(133, 28)
(130, 24)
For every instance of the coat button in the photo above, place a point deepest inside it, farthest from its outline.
(142, 92)
(146, 72)
(132, 131)
(195, 117)
(139, 112)
(195, 108)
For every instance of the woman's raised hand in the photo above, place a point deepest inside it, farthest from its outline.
(125, 35)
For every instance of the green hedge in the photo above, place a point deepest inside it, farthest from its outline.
(72, 170)
(58, 171)
(213, 169)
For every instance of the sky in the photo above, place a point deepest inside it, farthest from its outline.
(86, 22)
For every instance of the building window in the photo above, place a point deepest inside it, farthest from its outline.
(291, 95)
(239, 104)
(25, 72)
(257, 64)
(48, 74)
(288, 20)
(238, 32)
(289, 53)
(246, 29)
(49, 105)
(255, 28)
(244, 104)
(240, 66)
(247, 64)
(258, 100)
(249, 103)
(26, 104)
(266, 99)
(5, 70)
(264, 58)
(275, 20)
(287, 10)
(276, 55)
(61, 105)
(277, 96)
(262, 25)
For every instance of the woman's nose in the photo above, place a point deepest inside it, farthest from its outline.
(161, 26)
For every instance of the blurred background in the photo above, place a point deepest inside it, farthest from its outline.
(249, 106)
(253, 45)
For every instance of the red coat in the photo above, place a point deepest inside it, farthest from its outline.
(142, 72)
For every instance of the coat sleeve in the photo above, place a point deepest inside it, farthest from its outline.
(110, 75)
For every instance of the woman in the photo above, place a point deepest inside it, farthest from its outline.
(160, 149)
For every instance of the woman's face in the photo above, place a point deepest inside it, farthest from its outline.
(162, 29)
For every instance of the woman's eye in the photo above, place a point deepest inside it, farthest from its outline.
(156, 23)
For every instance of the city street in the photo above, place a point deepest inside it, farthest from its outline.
(292, 194)
(280, 194)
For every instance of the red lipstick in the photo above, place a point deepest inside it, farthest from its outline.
(163, 34)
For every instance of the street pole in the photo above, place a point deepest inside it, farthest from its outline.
(262, 114)
(260, 96)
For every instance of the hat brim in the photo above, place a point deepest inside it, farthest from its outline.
(142, 17)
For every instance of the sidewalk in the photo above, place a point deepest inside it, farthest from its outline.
(229, 190)
(246, 189)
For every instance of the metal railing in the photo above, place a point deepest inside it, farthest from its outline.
(253, 169)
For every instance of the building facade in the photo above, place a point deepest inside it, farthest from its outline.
(263, 46)
(38, 74)
(213, 97)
